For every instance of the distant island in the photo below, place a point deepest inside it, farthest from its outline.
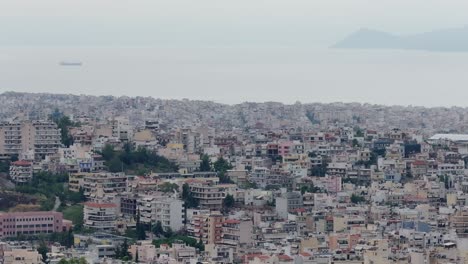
(444, 40)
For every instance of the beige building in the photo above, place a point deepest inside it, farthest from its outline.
(236, 232)
(209, 194)
(460, 223)
(41, 137)
(21, 256)
(207, 227)
(99, 184)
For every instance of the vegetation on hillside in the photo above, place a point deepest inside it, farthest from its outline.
(48, 186)
(139, 161)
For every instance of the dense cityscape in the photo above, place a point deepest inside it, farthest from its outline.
(87, 179)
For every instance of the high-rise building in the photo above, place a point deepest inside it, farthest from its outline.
(42, 138)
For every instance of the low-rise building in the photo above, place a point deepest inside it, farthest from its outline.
(30, 223)
(21, 171)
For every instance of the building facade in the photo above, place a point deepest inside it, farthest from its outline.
(30, 223)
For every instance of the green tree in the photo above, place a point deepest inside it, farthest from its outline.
(69, 239)
(222, 165)
(139, 160)
(187, 196)
(124, 253)
(355, 143)
(168, 187)
(355, 199)
(228, 201)
(140, 230)
(158, 229)
(63, 123)
(168, 232)
(43, 249)
(223, 178)
(359, 132)
(115, 165)
(205, 164)
(108, 152)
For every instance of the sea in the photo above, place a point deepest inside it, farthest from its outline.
(237, 74)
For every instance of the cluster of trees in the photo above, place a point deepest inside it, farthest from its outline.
(446, 180)
(140, 228)
(64, 123)
(122, 252)
(355, 199)
(159, 231)
(228, 202)
(140, 160)
(187, 196)
(189, 241)
(319, 170)
(221, 166)
(5, 164)
(75, 214)
(51, 185)
(358, 132)
(168, 187)
(64, 238)
(310, 189)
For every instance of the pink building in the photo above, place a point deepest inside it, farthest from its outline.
(333, 184)
(284, 148)
(31, 223)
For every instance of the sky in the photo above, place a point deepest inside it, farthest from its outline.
(217, 22)
(229, 51)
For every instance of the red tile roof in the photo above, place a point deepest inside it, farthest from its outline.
(285, 258)
(232, 221)
(21, 163)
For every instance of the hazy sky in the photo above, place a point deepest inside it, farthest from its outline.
(229, 51)
(217, 22)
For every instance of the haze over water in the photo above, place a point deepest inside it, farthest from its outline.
(234, 75)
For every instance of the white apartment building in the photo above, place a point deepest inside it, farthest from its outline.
(209, 194)
(100, 184)
(167, 210)
(100, 216)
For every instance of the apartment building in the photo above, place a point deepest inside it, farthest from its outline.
(41, 137)
(21, 256)
(100, 216)
(460, 223)
(21, 171)
(209, 194)
(100, 184)
(129, 205)
(167, 210)
(208, 227)
(263, 177)
(236, 232)
(288, 202)
(30, 223)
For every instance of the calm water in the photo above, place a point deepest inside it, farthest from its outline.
(233, 75)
